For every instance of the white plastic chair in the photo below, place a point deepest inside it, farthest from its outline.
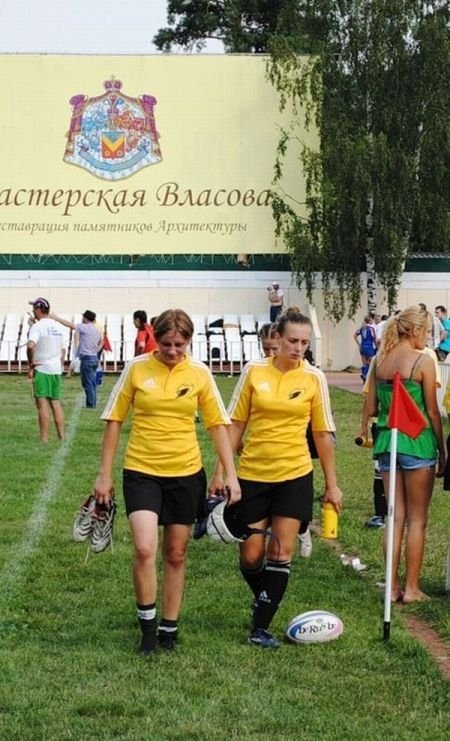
(199, 322)
(129, 336)
(199, 347)
(216, 319)
(114, 334)
(216, 349)
(233, 344)
(10, 339)
(261, 320)
(230, 321)
(248, 324)
(251, 347)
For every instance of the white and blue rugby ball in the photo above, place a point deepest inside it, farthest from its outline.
(315, 626)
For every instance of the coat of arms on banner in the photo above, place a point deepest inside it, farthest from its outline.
(113, 136)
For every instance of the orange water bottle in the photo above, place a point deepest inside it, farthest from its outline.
(329, 521)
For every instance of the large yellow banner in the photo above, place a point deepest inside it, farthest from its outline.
(139, 154)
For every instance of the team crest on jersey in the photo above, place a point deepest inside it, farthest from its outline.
(296, 393)
(112, 135)
(184, 390)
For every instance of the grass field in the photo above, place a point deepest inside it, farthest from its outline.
(68, 633)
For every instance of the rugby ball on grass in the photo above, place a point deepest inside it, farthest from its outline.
(315, 626)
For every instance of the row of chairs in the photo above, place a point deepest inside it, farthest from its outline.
(227, 338)
(217, 340)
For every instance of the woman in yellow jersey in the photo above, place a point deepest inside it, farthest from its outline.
(163, 479)
(268, 338)
(402, 351)
(273, 402)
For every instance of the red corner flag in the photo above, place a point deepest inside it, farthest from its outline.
(106, 343)
(404, 414)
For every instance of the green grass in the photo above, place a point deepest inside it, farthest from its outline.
(68, 631)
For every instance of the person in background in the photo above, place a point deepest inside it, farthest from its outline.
(379, 328)
(74, 365)
(46, 352)
(444, 344)
(89, 342)
(145, 338)
(366, 340)
(163, 479)
(437, 333)
(379, 497)
(401, 351)
(275, 297)
(268, 339)
(273, 402)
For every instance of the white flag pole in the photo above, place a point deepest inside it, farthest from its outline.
(390, 535)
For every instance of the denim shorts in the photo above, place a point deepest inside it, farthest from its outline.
(405, 462)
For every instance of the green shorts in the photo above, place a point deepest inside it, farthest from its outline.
(47, 385)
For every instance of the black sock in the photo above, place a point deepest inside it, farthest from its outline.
(253, 577)
(167, 631)
(147, 621)
(379, 499)
(273, 587)
(304, 525)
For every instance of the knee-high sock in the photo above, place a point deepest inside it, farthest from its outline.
(273, 586)
(253, 577)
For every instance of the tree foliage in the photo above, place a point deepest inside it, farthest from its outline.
(243, 26)
(378, 188)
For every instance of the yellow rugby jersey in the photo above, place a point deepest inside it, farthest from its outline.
(277, 408)
(163, 440)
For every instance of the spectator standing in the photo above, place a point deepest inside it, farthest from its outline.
(437, 333)
(401, 351)
(365, 338)
(379, 328)
(89, 343)
(444, 345)
(145, 338)
(45, 353)
(276, 300)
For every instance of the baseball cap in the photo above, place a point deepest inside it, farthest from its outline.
(275, 284)
(90, 315)
(40, 303)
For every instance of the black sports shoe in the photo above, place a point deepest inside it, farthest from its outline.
(148, 644)
(167, 641)
(260, 637)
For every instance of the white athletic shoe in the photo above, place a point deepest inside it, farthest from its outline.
(305, 544)
(84, 520)
(101, 535)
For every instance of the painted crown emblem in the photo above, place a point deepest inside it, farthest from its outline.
(112, 135)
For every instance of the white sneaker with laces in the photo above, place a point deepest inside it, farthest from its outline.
(84, 520)
(305, 544)
(101, 535)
